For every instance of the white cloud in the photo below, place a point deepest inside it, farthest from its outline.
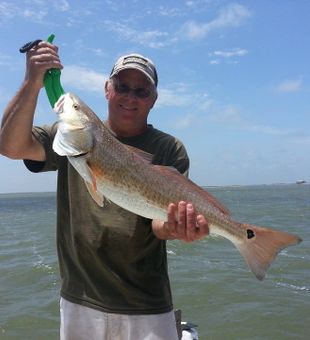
(153, 39)
(7, 10)
(34, 10)
(4, 60)
(181, 95)
(204, 103)
(289, 86)
(61, 5)
(214, 62)
(34, 15)
(198, 4)
(231, 117)
(83, 79)
(184, 122)
(219, 56)
(236, 52)
(302, 139)
(189, 3)
(228, 115)
(81, 46)
(176, 98)
(169, 12)
(231, 16)
(268, 130)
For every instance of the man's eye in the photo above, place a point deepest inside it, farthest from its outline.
(142, 93)
(123, 88)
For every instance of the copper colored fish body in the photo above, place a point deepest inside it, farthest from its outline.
(125, 176)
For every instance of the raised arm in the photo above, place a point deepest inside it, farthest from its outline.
(16, 139)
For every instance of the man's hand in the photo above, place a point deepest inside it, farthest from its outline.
(182, 224)
(41, 58)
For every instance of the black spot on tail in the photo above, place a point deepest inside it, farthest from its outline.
(250, 233)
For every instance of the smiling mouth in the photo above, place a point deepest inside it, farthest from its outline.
(128, 108)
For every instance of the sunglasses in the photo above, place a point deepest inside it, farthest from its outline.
(124, 89)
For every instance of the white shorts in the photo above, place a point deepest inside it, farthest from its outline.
(82, 323)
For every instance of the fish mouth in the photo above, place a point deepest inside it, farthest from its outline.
(59, 106)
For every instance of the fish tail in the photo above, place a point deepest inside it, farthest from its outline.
(261, 247)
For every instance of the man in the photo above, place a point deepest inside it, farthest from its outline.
(113, 264)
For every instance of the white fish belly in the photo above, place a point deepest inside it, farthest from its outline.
(132, 201)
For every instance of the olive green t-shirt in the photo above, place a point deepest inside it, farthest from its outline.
(109, 258)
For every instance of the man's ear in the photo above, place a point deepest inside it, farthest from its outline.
(107, 89)
(154, 100)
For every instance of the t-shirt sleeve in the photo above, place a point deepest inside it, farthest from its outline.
(45, 135)
(180, 159)
(171, 152)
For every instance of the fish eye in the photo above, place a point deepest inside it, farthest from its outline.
(75, 106)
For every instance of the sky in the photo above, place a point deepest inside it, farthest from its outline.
(234, 81)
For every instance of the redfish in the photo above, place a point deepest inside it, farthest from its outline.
(125, 176)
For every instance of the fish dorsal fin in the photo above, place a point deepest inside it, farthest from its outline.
(171, 171)
(166, 169)
(143, 154)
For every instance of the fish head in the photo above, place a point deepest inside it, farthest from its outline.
(76, 123)
(72, 111)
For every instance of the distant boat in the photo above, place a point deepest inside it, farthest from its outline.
(301, 181)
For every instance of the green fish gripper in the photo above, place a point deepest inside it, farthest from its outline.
(52, 84)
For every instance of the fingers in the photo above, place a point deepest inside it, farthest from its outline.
(44, 56)
(184, 224)
(202, 228)
(171, 225)
(41, 58)
(190, 223)
(44, 45)
(181, 220)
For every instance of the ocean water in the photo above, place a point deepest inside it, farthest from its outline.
(210, 281)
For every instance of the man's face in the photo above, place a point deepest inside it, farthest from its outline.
(128, 106)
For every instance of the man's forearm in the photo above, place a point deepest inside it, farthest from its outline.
(15, 135)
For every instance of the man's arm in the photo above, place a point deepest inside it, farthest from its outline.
(16, 139)
(182, 224)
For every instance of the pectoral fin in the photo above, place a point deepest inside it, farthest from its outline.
(85, 171)
(81, 166)
(98, 198)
